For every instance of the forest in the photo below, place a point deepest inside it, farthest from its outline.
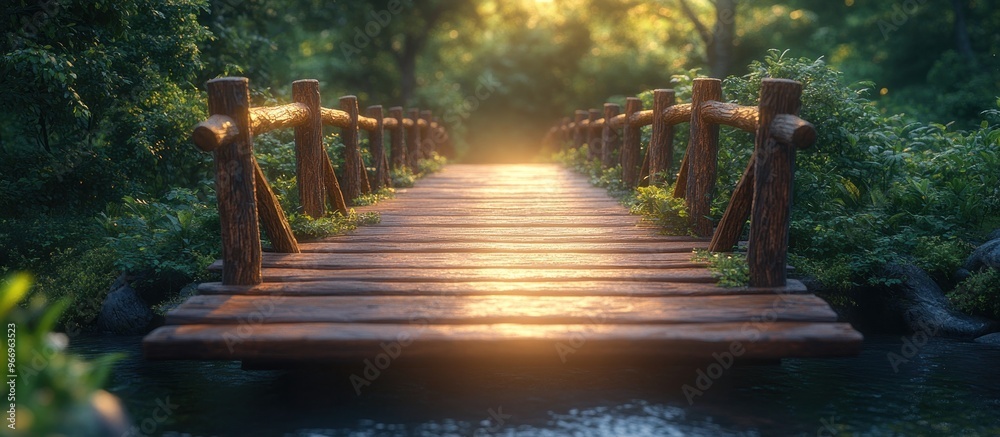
(99, 180)
(99, 176)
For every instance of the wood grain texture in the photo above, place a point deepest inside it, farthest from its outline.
(774, 169)
(660, 154)
(309, 149)
(272, 216)
(494, 262)
(609, 136)
(234, 183)
(351, 342)
(703, 156)
(631, 159)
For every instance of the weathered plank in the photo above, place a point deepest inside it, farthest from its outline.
(355, 342)
(444, 310)
(488, 274)
(473, 288)
(653, 261)
(335, 246)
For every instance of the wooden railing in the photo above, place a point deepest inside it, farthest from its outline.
(244, 193)
(764, 192)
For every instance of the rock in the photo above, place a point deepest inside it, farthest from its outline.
(987, 255)
(123, 311)
(995, 235)
(925, 308)
(993, 339)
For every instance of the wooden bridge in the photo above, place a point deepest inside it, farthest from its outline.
(500, 261)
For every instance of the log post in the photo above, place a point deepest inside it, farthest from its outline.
(661, 145)
(349, 135)
(632, 136)
(579, 136)
(774, 168)
(397, 138)
(234, 184)
(309, 149)
(333, 191)
(593, 134)
(566, 136)
(377, 147)
(609, 136)
(413, 155)
(428, 138)
(703, 156)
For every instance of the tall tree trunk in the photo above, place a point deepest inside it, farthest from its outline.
(721, 49)
(962, 43)
(407, 64)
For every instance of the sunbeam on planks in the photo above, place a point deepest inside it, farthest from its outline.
(497, 262)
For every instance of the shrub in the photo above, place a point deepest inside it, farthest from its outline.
(979, 294)
(658, 205)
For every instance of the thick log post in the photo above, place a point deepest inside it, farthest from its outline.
(428, 138)
(566, 135)
(309, 149)
(579, 135)
(772, 192)
(234, 184)
(397, 138)
(609, 136)
(413, 155)
(631, 137)
(377, 147)
(593, 145)
(272, 216)
(661, 144)
(349, 135)
(703, 156)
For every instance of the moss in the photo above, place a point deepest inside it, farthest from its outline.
(979, 294)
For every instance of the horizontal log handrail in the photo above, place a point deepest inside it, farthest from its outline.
(245, 197)
(779, 132)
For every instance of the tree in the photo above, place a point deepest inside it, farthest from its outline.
(719, 40)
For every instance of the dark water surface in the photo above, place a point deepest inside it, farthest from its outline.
(947, 388)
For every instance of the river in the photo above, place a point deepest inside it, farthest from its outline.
(944, 387)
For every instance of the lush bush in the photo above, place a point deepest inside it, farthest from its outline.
(979, 294)
(659, 206)
(874, 189)
(57, 393)
(308, 228)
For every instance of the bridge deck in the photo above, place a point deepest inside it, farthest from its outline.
(525, 261)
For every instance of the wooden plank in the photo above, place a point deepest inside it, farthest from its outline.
(473, 288)
(489, 274)
(477, 235)
(334, 246)
(355, 342)
(637, 234)
(476, 260)
(512, 221)
(500, 309)
(396, 209)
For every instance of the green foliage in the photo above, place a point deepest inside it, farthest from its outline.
(731, 269)
(375, 197)
(431, 165)
(939, 256)
(658, 205)
(172, 239)
(308, 228)
(56, 391)
(82, 278)
(402, 177)
(979, 294)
